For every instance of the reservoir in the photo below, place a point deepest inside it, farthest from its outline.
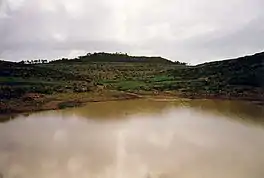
(136, 139)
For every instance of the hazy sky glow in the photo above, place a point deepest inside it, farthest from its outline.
(193, 31)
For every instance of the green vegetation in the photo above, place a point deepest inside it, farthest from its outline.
(116, 57)
(242, 78)
(97, 73)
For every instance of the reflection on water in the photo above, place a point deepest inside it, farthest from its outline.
(136, 139)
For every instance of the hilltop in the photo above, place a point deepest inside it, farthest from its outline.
(33, 85)
(114, 57)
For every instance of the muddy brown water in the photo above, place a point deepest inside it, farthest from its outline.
(137, 139)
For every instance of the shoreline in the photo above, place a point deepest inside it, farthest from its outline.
(36, 102)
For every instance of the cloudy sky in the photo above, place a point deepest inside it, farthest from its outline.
(193, 31)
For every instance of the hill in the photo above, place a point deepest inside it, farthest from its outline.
(104, 76)
(239, 77)
(82, 74)
(115, 57)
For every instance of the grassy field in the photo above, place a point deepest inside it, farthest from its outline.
(103, 76)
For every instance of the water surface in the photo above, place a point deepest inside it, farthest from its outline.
(137, 139)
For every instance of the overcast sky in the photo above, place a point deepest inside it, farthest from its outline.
(193, 31)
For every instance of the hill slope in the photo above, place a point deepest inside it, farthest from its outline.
(17, 79)
(241, 76)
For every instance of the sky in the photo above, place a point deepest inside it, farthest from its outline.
(193, 31)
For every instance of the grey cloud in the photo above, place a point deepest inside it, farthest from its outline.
(190, 30)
